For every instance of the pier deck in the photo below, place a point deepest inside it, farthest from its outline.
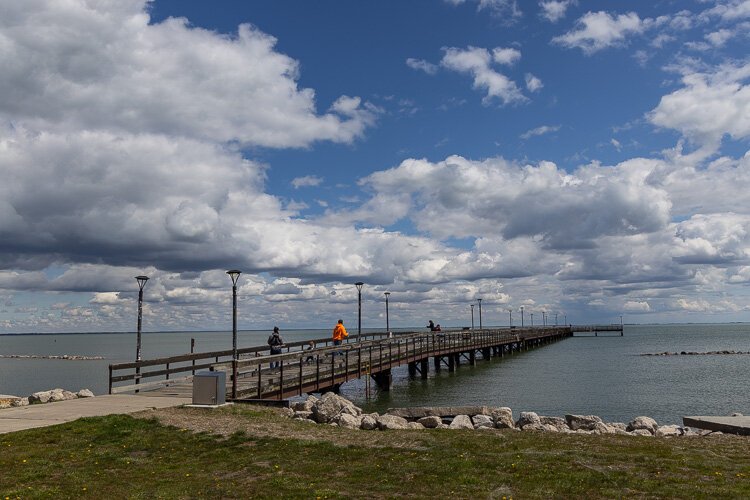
(299, 371)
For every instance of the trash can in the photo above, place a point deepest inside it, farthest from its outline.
(209, 388)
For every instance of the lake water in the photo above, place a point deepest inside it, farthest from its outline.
(603, 375)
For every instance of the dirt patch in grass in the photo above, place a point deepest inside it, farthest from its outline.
(269, 423)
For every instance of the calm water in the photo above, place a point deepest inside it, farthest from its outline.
(588, 375)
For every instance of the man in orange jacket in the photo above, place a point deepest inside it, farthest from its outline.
(339, 333)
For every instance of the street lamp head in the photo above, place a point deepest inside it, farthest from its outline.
(479, 300)
(386, 294)
(359, 285)
(235, 275)
(141, 281)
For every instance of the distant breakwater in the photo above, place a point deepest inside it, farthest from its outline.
(68, 357)
(692, 353)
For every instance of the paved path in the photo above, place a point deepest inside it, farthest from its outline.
(42, 415)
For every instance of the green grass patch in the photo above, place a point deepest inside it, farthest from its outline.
(125, 457)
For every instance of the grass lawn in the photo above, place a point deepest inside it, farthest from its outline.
(258, 453)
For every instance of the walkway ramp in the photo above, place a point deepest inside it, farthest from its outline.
(43, 415)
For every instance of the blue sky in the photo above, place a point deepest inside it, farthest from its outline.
(583, 158)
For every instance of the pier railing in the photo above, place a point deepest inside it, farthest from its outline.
(125, 377)
(298, 370)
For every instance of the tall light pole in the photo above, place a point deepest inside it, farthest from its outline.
(555, 319)
(521, 316)
(480, 313)
(387, 321)
(510, 318)
(235, 275)
(472, 316)
(566, 318)
(532, 319)
(544, 318)
(141, 283)
(359, 285)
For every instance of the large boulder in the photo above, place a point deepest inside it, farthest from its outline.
(369, 422)
(602, 428)
(535, 427)
(20, 402)
(461, 422)
(388, 422)
(431, 422)
(584, 422)
(302, 415)
(8, 401)
(348, 421)
(643, 423)
(330, 406)
(668, 431)
(641, 432)
(558, 423)
(414, 425)
(40, 397)
(528, 418)
(482, 421)
(503, 418)
(85, 393)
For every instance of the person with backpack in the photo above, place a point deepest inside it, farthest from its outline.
(276, 343)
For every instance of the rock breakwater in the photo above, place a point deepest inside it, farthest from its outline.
(43, 397)
(332, 409)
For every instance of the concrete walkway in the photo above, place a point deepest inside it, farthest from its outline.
(728, 425)
(42, 415)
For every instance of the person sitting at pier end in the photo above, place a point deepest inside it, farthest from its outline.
(276, 343)
(339, 333)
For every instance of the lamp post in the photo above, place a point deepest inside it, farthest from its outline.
(566, 318)
(141, 283)
(472, 316)
(234, 274)
(359, 285)
(521, 316)
(555, 319)
(544, 318)
(387, 321)
(532, 319)
(510, 318)
(480, 313)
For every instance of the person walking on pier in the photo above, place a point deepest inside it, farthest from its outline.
(339, 333)
(276, 343)
(431, 326)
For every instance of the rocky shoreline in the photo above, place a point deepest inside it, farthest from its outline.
(332, 409)
(43, 397)
(72, 357)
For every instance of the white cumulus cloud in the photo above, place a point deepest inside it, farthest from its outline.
(595, 31)
(477, 62)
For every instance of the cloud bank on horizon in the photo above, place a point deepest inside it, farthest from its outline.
(135, 140)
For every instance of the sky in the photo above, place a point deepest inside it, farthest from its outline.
(585, 160)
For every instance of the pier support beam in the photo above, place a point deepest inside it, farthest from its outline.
(451, 363)
(473, 358)
(412, 369)
(424, 367)
(383, 379)
(486, 353)
(437, 363)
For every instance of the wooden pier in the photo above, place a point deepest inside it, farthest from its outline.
(298, 371)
